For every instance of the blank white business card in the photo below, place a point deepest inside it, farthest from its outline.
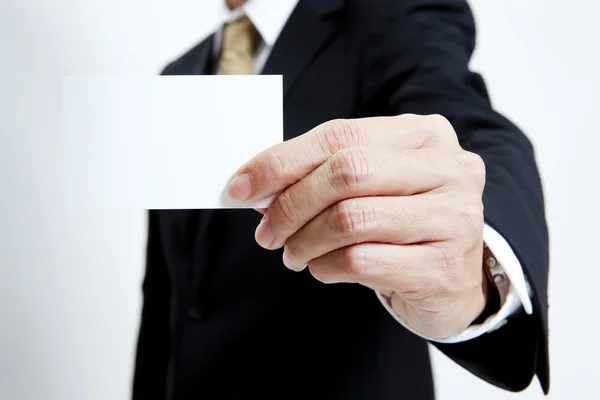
(164, 142)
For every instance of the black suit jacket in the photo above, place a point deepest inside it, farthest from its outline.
(222, 318)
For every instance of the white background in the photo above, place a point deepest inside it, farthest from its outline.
(69, 284)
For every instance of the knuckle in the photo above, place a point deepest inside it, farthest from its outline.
(470, 161)
(349, 168)
(427, 127)
(286, 209)
(474, 165)
(468, 169)
(434, 129)
(470, 221)
(354, 262)
(349, 219)
(443, 129)
(339, 134)
(440, 123)
(472, 213)
(276, 168)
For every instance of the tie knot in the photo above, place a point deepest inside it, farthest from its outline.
(240, 39)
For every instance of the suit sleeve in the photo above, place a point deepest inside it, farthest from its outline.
(153, 348)
(415, 59)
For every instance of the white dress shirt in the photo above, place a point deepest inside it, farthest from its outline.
(269, 17)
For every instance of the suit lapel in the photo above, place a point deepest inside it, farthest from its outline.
(205, 60)
(197, 61)
(304, 34)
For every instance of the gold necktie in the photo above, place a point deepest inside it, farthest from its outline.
(240, 38)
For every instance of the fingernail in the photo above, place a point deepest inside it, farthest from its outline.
(288, 263)
(240, 188)
(264, 236)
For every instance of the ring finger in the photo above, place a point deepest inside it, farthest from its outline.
(394, 220)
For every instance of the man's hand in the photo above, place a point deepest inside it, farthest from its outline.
(391, 203)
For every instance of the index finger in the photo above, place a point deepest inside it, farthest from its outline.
(286, 163)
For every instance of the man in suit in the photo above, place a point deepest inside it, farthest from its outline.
(392, 151)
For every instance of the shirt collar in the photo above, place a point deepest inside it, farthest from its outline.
(267, 16)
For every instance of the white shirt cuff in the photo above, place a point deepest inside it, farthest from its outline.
(517, 293)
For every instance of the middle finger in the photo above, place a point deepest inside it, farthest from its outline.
(395, 220)
(355, 172)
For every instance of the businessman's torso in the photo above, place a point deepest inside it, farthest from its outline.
(241, 323)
